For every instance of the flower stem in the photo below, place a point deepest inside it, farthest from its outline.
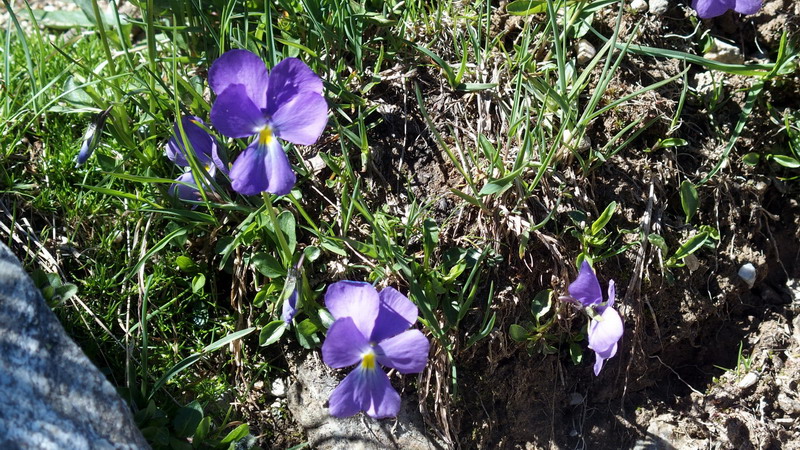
(273, 217)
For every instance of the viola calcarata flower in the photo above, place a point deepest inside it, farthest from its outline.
(370, 330)
(205, 149)
(285, 103)
(605, 326)
(707, 9)
(92, 137)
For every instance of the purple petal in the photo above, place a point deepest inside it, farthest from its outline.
(203, 144)
(302, 119)
(598, 363)
(289, 308)
(396, 314)
(262, 168)
(407, 352)
(612, 293)
(365, 390)
(240, 67)
(604, 335)
(186, 191)
(218, 160)
(289, 78)
(344, 345)
(354, 299)
(747, 6)
(84, 153)
(235, 115)
(586, 288)
(707, 9)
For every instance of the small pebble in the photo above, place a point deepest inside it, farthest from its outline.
(575, 399)
(748, 273)
(691, 262)
(723, 52)
(278, 388)
(750, 379)
(639, 5)
(586, 51)
(659, 7)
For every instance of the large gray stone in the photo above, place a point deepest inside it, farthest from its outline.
(307, 401)
(52, 395)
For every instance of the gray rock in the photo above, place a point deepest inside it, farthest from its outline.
(307, 402)
(52, 395)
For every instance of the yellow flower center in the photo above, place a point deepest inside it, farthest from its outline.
(368, 360)
(265, 136)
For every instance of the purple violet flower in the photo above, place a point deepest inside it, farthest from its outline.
(285, 103)
(291, 292)
(606, 327)
(205, 149)
(92, 137)
(707, 9)
(370, 329)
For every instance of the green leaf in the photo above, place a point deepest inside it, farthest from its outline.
(605, 216)
(272, 332)
(448, 71)
(332, 246)
(306, 333)
(237, 434)
(267, 265)
(260, 298)
(202, 429)
(672, 142)
(689, 199)
(198, 282)
(466, 197)
(65, 291)
(474, 87)
(228, 339)
(186, 264)
(312, 253)
(786, 161)
(658, 241)
(575, 353)
(76, 96)
(488, 149)
(187, 419)
(541, 303)
(518, 333)
(526, 7)
(751, 159)
(577, 217)
(307, 327)
(287, 223)
(690, 246)
(430, 237)
(501, 184)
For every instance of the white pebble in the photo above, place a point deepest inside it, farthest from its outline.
(750, 379)
(586, 51)
(723, 52)
(639, 5)
(659, 7)
(748, 273)
(278, 388)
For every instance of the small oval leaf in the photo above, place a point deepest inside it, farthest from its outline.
(689, 199)
(272, 332)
